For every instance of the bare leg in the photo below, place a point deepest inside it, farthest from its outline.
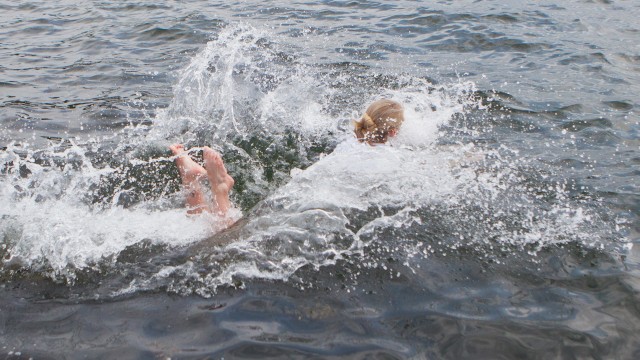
(191, 173)
(221, 182)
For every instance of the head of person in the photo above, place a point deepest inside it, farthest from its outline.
(382, 120)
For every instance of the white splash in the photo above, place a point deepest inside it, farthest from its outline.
(238, 86)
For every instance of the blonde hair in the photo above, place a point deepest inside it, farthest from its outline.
(381, 117)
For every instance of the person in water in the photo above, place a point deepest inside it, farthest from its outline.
(381, 120)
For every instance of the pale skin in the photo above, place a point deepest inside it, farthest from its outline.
(192, 173)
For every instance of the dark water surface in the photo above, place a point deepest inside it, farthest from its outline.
(502, 223)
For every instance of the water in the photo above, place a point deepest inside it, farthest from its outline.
(501, 222)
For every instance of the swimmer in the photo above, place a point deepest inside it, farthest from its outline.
(381, 121)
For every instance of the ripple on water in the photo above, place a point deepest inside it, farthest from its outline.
(523, 259)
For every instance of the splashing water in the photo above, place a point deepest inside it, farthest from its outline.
(321, 196)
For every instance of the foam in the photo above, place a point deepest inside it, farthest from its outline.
(355, 197)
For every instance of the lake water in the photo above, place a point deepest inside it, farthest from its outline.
(500, 223)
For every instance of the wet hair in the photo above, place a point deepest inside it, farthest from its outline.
(381, 117)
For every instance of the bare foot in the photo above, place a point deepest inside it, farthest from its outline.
(221, 182)
(190, 170)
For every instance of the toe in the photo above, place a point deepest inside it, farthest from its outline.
(176, 148)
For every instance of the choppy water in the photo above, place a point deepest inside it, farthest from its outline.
(501, 222)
